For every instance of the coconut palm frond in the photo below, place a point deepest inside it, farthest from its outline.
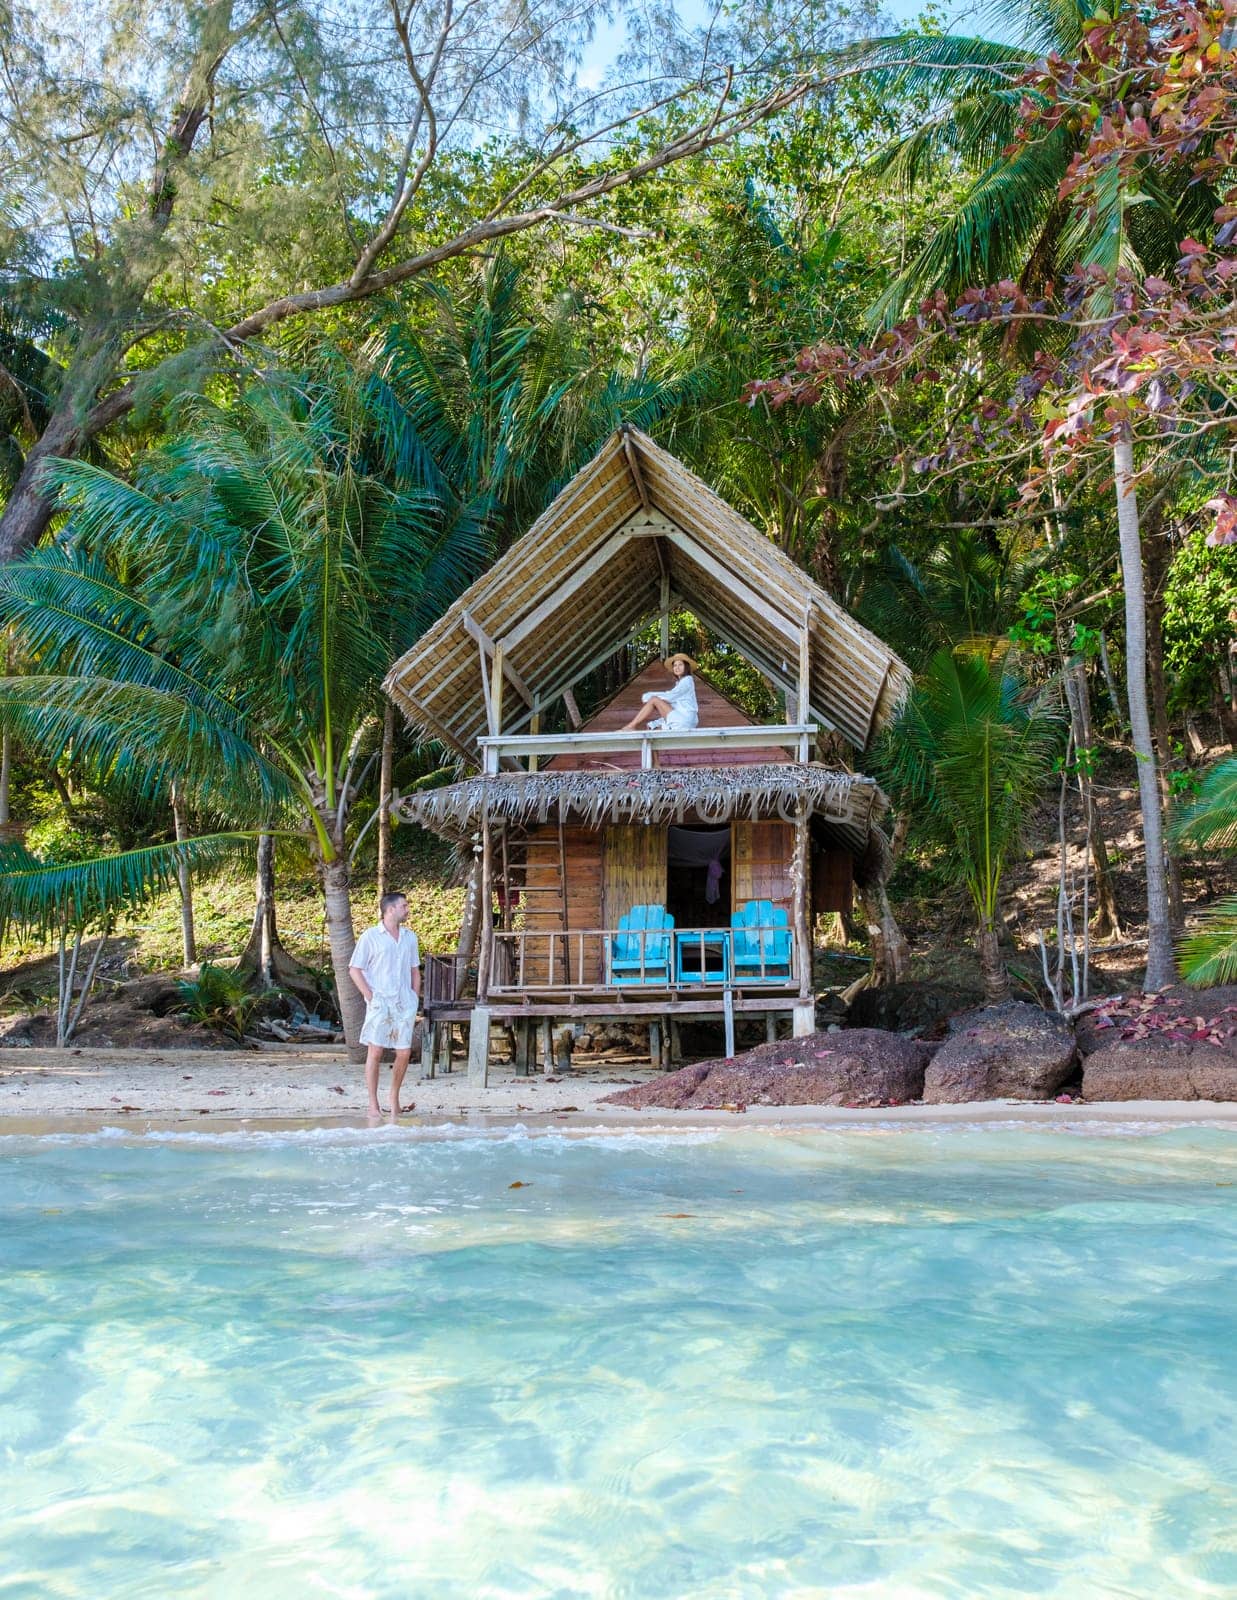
(142, 739)
(1209, 822)
(38, 897)
(1209, 955)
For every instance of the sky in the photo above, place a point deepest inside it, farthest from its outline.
(967, 17)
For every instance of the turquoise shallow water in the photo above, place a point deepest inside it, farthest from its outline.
(904, 1364)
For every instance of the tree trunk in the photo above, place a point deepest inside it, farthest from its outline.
(342, 941)
(471, 920)
(258, 956)
(891, 954)
(1110, 682)
(992, 970)
(1160, 971)
(384, 799)
(1157, 574)
(6, 778)
(1106, 923)
(184, 880)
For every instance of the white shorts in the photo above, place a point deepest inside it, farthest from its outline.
(389, 1021)
(676, 722)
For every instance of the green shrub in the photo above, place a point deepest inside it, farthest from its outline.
(220, 998)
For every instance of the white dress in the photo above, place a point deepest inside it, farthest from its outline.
(684, 712)
(387, 965)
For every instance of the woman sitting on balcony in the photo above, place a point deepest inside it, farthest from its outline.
(672, 710)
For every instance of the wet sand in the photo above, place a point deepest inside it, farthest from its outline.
(70, 1091)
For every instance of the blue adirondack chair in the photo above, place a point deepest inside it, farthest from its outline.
(647, 926)
(760, 943)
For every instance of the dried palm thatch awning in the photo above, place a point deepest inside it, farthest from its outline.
(631, 531)
(849, 806)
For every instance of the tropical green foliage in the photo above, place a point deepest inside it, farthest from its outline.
(1209, 822)
(970, 754)
(219, 998)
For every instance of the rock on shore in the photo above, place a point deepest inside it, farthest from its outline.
(1152, 1070)
(1012, 1051)
(860, 1066)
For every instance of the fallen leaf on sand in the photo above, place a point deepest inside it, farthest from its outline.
(519, 1184)
(677, 1216)
(735, 1105)
(216, 1091)
(337, 1088)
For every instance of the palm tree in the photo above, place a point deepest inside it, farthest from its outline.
(1011, 222)
(972, 752)
(66, 899)
(1008, 221)
(225, 621)
(498, 398)
(1209, 955)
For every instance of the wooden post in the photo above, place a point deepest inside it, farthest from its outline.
(486, 956)
(479, 1046)
(429, 1042)
(665, 613)
(523, 1048)
(534, 727)
(728, 1020)
(801, 886)
(770, 1027)
(676, 1041)
(497, 683)
(655, 1043)
(547, 1047)
(805, 666)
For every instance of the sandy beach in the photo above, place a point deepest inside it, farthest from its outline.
(48, 1089)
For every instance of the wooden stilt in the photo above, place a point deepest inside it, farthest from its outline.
(479, 1046)
(446, 1046)
(664, 1056)
(803, 1019)
(728, 1021)
(523, 1049)
(655, 1044)
(547, 1047)
(429, 1040)
(676, 1042)
(771, 1028)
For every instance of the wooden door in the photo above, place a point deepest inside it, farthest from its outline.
(761, 861)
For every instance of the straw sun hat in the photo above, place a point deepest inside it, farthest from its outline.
(680, 655)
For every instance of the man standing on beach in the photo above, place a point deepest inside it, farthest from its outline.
(386, 968)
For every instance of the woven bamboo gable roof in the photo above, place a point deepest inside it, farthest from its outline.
(630, 527)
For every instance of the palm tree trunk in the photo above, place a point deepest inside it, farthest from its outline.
(258, 956)
(1106, 924)
(1160, 729)
(342, 941)
(384, 799)
(6, 778)
(992, 969)
(1160, 971)
(184, 880)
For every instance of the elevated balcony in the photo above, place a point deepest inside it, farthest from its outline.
(641, 748)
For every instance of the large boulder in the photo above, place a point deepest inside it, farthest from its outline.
(1011, 1051)
(1193, 1017)
(1157, 1069)
(860, 1066)
(923, 1008)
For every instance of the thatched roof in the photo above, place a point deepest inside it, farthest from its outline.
(849, 805)
(593, 569)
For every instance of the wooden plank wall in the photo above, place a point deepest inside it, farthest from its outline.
(833, 878)
(635, 870)
(761, 858)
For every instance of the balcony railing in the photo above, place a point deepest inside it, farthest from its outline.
(537, 747)
(613, 960)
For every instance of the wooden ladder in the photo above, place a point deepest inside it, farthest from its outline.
(544, 900)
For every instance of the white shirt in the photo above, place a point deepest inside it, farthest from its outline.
(684, 710)
(387, 965)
